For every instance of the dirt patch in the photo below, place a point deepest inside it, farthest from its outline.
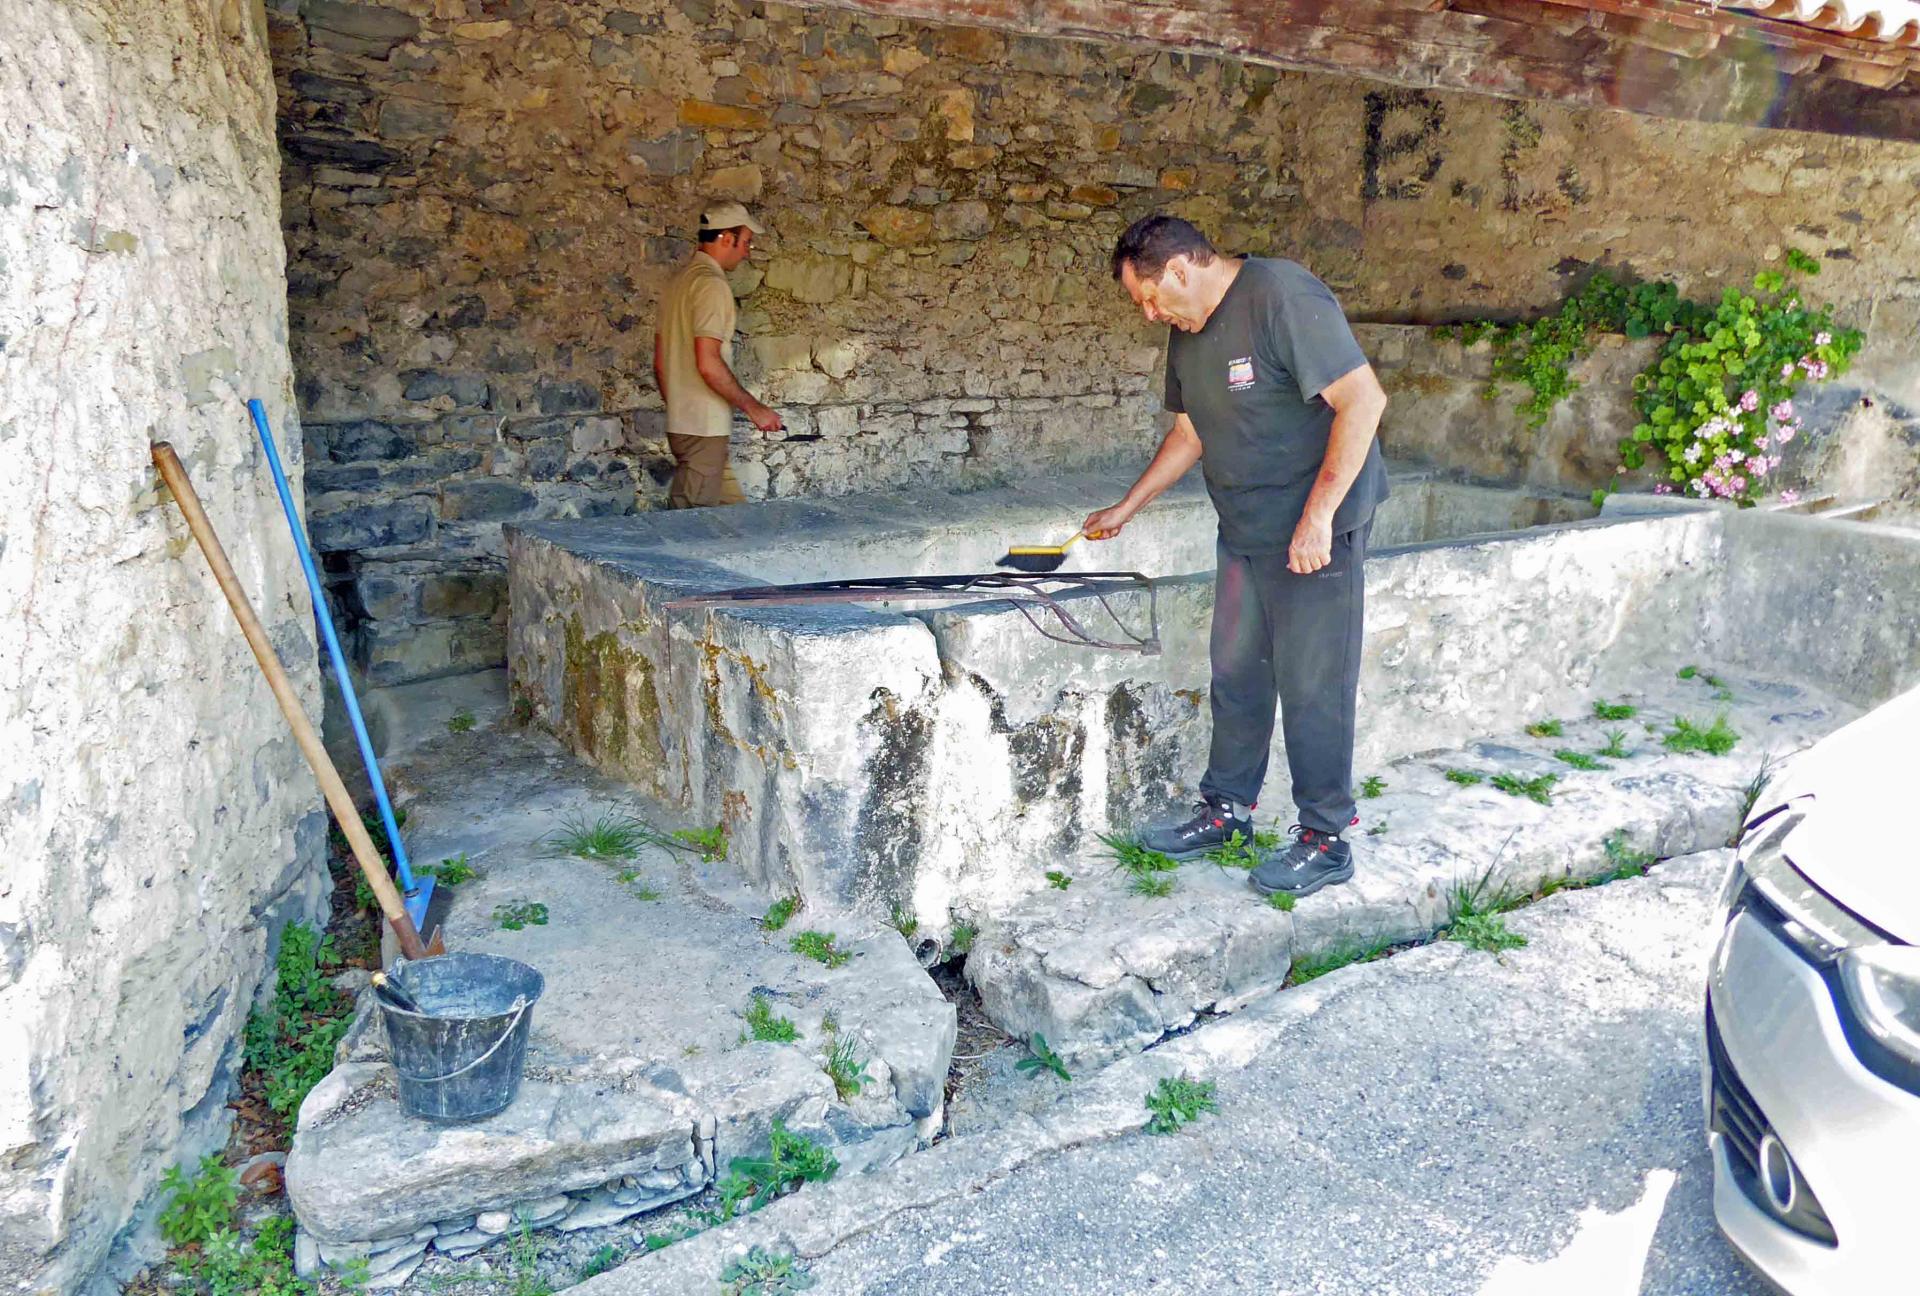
(977, 1038)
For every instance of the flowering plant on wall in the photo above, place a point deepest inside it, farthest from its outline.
(1717, 405)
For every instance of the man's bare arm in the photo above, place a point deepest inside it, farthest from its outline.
(715, 373)
(1358, 400)
(1179, 451)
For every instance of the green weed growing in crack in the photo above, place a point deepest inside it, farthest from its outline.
(820, 947)
(200, 1206)
(1750, 795)
(1057, 880)
(1465, 777)
(1042, 1058)
(1177, 1100)
(1477, 918)
(1147, 869)
(1266, 839)
(461, 722)
(611, 836)
(600, 1261)
(763, 1273)
(1579, 760)
(960, 939)
(1237, 851)
(710, 842)
(1378, 830)
(1616, 745)
(1614, 711)
(1372, 786)
(903, 922)
(767, 1027)
(450, 872)
(779, 912)
(1716, 739)
(523, 1253)
(791, 1160)
(1687, 672)
(1538, 789)
(848, 1073)
(1284, 901)
(1624, 859)
(1315, 966)
(1545, 729)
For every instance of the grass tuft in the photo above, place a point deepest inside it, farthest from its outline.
(1042, 1058)
(780, 912)
(1372, 786)
(820, 947)
(1237, 851)
(1177, 1100)
(1477, 918)
(1545, 729)
(1687, 672)
(611, 836)
(766, 1027)
(848, 1073)
(1145, 867)
(461, 722)
(1716, 739)
(1626, 860)
(1538, 789)
(960, 939)
(1751, 794)
(1614, 711)
(1579, 760)
(710, 842)
(1284, 901)
(1465, 778)
(517, 914)
(764, 1273)
(903, 922)
(1315, 966)
(1616, 745)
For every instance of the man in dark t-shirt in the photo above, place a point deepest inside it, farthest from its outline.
(1271, 395)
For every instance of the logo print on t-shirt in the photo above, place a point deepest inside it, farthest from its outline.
(1240, 373)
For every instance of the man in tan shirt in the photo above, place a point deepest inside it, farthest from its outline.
(692, 362)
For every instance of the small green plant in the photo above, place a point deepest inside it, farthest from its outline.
(1153, 886)
(231, 1266)
(820, 947)
(1178, 1100)
(710, 842)
(290, 1042)
(1237, 851)
(1465, 778)
(1545, 729)
(1378, 830)
(1042, 1058)
(1057, 880)
(830, 1022)
(461, 722)
(200, 1206)
(1372, 786)
(1579, 760)
(1624, 858)
(355, 1274)
(1477, 919)
(1614, 711)
(848, 1073)
(452, 872)
(522, 710)
(1751, 794)
(600, 1261)
(1687, 672)
(1266, 840)
(1144, 867)
(780, 912)
(767, 1028)
(763, 1273)
(628, 877)
(752, 1182)
(1283, 901)
(1538, 789)
(523, 1252)
(960, 939)
(1315, 966)
(611, 836)
(518, 914)
(1716, 739)
(903, 922)
(661, 1241)
(1616, 745)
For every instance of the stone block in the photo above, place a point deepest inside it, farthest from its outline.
(597, 435)
(357, 28)
(673, 154)
(700, 112)
(742, 182)
(555, 396)
(385, 597)
(462, 594)
(362, 439)
(411, 119)
(813, 279)
(483, 501)
(482, 31)
(836, 358)
(426, 384)
(394, 652)
(897, 226)
(782, 351)
(963, 220)
(371, 526)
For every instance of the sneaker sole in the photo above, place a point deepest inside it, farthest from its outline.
(1326, 880)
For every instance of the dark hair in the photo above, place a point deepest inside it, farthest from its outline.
(1152, 241)
(713, 236)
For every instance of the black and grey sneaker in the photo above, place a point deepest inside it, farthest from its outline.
(1214, 823)
(1310, 861)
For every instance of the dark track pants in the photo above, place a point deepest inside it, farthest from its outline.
(1292, 639)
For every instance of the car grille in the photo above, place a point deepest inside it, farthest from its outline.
(1737, 1118)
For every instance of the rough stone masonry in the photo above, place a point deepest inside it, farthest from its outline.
(480, 209)
(156, 824)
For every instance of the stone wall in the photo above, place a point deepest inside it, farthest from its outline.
(483, 199)
(156, 822)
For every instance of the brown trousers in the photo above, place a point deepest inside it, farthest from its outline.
(701, 474)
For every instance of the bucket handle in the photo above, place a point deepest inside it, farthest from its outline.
(520, 1005)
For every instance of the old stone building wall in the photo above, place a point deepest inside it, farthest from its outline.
(157, 826)
(482, 200)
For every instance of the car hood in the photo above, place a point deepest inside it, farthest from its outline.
(1858, 842)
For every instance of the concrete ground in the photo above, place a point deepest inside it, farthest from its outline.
(1443, 1121)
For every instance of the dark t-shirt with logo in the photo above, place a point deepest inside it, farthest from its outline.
(1251, 381)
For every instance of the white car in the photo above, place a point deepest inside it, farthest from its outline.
(1812, 1058)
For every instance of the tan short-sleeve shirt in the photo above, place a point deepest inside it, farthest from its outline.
(697, 302)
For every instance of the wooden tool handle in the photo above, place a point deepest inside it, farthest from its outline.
(174, 473)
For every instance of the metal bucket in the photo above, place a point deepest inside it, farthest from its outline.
(460, 1058)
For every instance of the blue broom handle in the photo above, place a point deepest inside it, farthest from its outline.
(259, 412)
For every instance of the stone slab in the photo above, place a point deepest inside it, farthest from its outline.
(1101, 972)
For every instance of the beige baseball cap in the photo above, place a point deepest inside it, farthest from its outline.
(728, 215)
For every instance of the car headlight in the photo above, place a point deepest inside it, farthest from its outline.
(1883, 985)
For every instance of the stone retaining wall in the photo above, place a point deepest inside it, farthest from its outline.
(481, 208)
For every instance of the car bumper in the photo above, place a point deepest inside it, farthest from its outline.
(1778, 1053)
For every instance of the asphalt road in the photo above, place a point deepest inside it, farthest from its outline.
(1449, 1122)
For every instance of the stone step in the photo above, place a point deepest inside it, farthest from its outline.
(1102, 972)
(639, 1088)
